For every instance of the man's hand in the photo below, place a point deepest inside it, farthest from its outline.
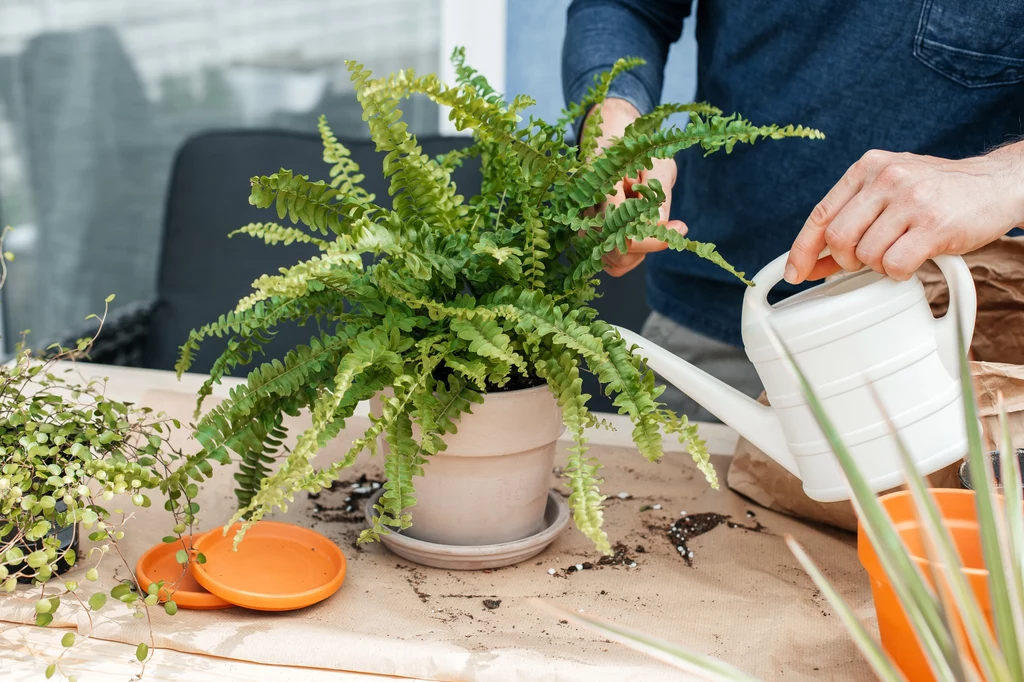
(616, 115)
(892, 212)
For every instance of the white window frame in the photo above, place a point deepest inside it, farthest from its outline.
(479, 26)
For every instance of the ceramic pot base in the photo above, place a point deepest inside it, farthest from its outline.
(476, 557)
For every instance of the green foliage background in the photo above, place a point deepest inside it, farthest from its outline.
(462, 296)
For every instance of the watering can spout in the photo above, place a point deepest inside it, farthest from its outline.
(756, 422)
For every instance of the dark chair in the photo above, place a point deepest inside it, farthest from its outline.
(203, 273)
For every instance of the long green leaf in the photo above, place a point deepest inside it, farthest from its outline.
(876, 658)
(1009, 468)
(941, 547)
(996, 557)
(705, 667)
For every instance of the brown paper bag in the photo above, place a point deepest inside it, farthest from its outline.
(998, 367)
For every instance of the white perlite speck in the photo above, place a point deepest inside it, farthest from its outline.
(579, 567)
(657, 506)
(624, 496)
(551, 571)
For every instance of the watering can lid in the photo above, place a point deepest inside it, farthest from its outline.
(829, 311)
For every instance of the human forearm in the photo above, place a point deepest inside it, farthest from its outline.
(1012, 155)
(598, 32)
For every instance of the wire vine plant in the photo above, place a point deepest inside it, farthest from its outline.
(70, 458)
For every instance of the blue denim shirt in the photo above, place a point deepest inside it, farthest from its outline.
(938, 77)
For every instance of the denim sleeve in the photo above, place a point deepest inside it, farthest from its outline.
(598, 32)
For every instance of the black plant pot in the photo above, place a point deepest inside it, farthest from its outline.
(68, 537)
(965, 469)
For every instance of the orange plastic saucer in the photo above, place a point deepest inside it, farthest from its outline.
(160, 563)
(278, 566)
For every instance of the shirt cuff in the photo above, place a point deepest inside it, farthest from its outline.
(626, 86)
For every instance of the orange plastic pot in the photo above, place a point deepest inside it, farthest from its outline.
(958, 511)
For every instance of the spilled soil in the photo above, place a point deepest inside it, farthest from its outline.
(344, 501)
(693, 525)
(621, 556)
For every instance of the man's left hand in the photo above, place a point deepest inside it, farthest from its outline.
(892, 212)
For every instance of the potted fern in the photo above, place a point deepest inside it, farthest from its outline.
(466, 307)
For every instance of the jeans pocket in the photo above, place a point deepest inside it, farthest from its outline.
(976, 43)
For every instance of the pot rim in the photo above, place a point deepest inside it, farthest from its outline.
(921, 562)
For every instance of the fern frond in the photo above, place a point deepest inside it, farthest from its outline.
(689, 437)
(467, 75)
(561, 372)
(328, 418)
(488, 340)
(345, 175)
(537, 246)
(634, 390)
(593, 100)
(316, 205)
(420, 187)
(254, 464)
(402, 461)
(272, 234)
(629, 154)
(651, 122)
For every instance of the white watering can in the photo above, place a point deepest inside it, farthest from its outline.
(856, 329)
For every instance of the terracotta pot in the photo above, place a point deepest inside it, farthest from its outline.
(491, 483)
(960, 517)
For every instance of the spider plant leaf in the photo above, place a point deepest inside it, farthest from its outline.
(945, 561)
(873, 653)
(994, 552)
(1013, 488)
(687, 660)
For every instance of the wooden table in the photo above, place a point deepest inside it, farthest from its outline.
(22, 647)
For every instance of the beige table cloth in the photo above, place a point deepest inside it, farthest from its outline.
(741, 597)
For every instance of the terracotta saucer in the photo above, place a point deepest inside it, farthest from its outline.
(277, 567)
(476, 557)
(159, 563)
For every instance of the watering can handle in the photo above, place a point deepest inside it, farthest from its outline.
(963, 297)
(769, 276)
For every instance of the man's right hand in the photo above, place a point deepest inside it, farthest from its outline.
(616, 115)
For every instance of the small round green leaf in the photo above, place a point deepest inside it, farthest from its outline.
(142, 651)
(50, 670)
(44, 619)
(170, 608)
(181, 556)
(68, 639)
(97, 601)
